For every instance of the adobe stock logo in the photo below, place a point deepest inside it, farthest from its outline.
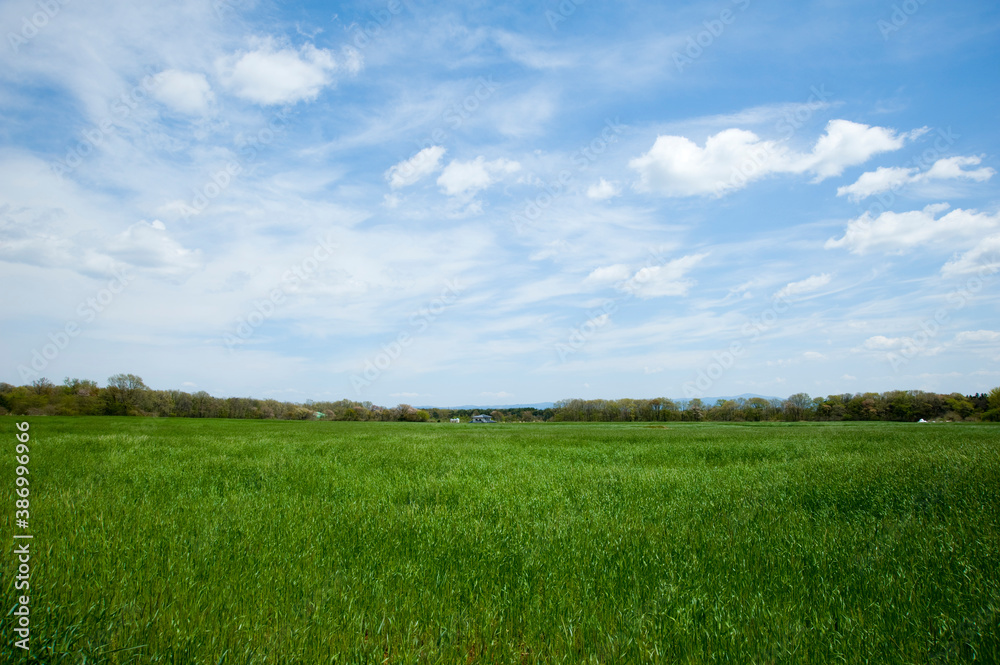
(929, 328)
(87, 312)
(725, 360)
(699, 43)
(900, 16)
(420, 320)
(30, 27)
(291, 280)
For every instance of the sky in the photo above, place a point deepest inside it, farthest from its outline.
(449, 203)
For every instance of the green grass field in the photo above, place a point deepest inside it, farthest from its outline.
(208, 541)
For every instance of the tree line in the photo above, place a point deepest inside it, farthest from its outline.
(127, 394)
(895, 405)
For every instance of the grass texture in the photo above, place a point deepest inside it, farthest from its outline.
(211, 541)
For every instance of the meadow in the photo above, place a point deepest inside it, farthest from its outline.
(192, 541)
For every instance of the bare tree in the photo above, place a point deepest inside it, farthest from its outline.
(42, 386)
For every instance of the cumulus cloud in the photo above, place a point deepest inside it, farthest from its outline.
(950, 168)
(886, 179)
(977, 336)
(467, 178)
(411, 171)
(807, 285)
(882, 179)
(602, 190)
(669, 279)
(185, 92)
(984, 257)
(677, 166)
(270, 75)
(896, 232)
(847, 143)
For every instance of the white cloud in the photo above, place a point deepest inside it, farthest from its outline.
(143, 245)
(602, 190)
(269, 75)
(147, 245)
(977, 336)
(805, 286)
(950, 168)
(676, 166)
(886, 179)
(896, 232)
(908, 345)
(881, 343)
(467, 178)
(847, 144)
(609, 274)
(985, 256)
(411, 171)
(665, 280)
(732, 158)
(184, 92)
(882, 179)
(813, 355)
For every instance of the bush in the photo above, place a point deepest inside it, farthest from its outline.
(993, 416)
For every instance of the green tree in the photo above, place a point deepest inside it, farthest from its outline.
(960, 405)
(695, 410)
(994, 398)
(993, 401)
(799, 407)
(124, 391)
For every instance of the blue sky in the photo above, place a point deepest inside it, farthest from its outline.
(458, 203)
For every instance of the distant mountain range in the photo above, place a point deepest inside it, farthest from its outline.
(680, 401)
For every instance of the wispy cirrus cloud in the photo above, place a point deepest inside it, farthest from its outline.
(807, 285)
(411, 171)
(668, 279)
